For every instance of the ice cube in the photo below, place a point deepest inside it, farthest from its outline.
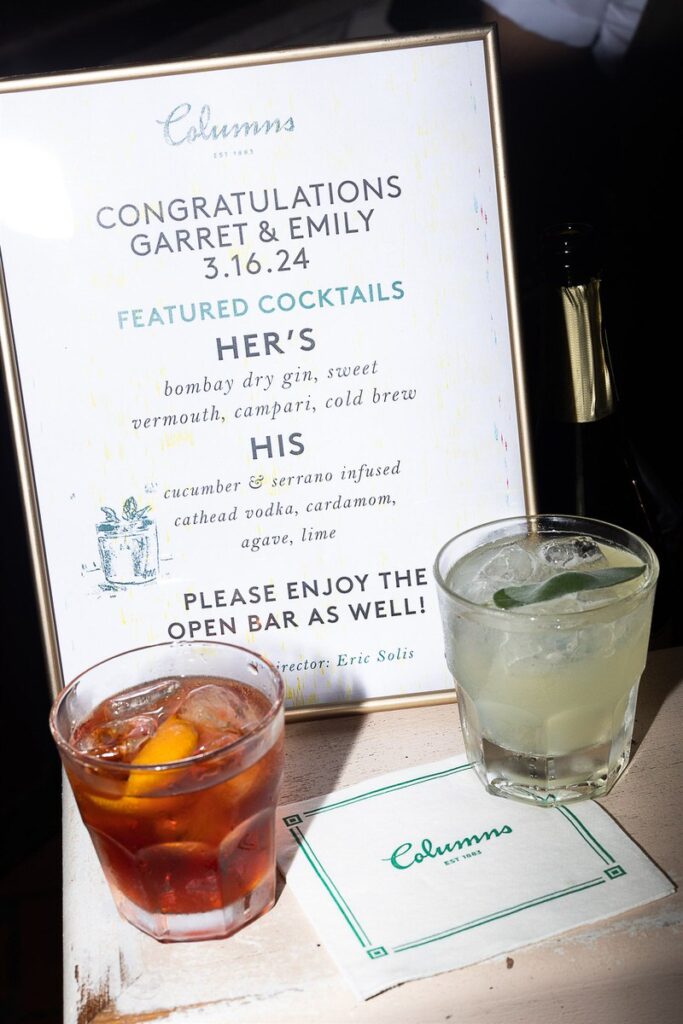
(246, 854)
(573, 553)
(180, 877)
(477, 579)
(115, 740)
(147, 698)
(477, 590)
(250, 836)
(597, 641)
(219, 708)
(537, 653)
(510, 564)
(216, 740)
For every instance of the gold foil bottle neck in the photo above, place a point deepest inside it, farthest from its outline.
(589, 395)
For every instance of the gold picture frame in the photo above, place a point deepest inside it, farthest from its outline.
(28, 482)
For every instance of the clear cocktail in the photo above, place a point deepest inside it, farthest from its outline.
(546, 621)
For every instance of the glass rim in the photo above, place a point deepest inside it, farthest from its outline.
(647, 583)
(123, 767)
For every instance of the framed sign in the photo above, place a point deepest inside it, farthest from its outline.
(261, 349)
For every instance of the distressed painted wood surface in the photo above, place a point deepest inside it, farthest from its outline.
(626, 970)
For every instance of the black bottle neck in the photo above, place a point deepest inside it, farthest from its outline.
(571, 255)
(575, 323)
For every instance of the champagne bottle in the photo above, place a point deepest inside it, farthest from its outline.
(589, 466)
(587, 463)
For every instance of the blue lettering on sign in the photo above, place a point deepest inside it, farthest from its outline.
(178, 127)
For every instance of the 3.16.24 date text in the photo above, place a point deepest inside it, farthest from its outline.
(237, 265)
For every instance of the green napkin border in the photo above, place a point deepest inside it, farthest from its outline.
(375, 951)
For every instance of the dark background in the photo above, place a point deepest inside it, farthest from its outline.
(581, 146)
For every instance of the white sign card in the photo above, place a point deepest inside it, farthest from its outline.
(260, 334)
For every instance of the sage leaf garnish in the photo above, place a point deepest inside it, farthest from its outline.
(564, 583)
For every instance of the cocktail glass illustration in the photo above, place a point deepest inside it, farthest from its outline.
(128, 545)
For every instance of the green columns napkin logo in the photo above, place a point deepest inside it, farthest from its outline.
(406, 855)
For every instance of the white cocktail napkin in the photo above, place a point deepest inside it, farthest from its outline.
(420, 871)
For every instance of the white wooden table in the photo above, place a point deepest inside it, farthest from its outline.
(627, 970)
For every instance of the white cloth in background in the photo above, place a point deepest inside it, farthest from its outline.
(606, 26)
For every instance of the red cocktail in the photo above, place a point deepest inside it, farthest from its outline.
(174, 754)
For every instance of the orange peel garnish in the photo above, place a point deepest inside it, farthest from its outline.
(133, 806)
(173, 741)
